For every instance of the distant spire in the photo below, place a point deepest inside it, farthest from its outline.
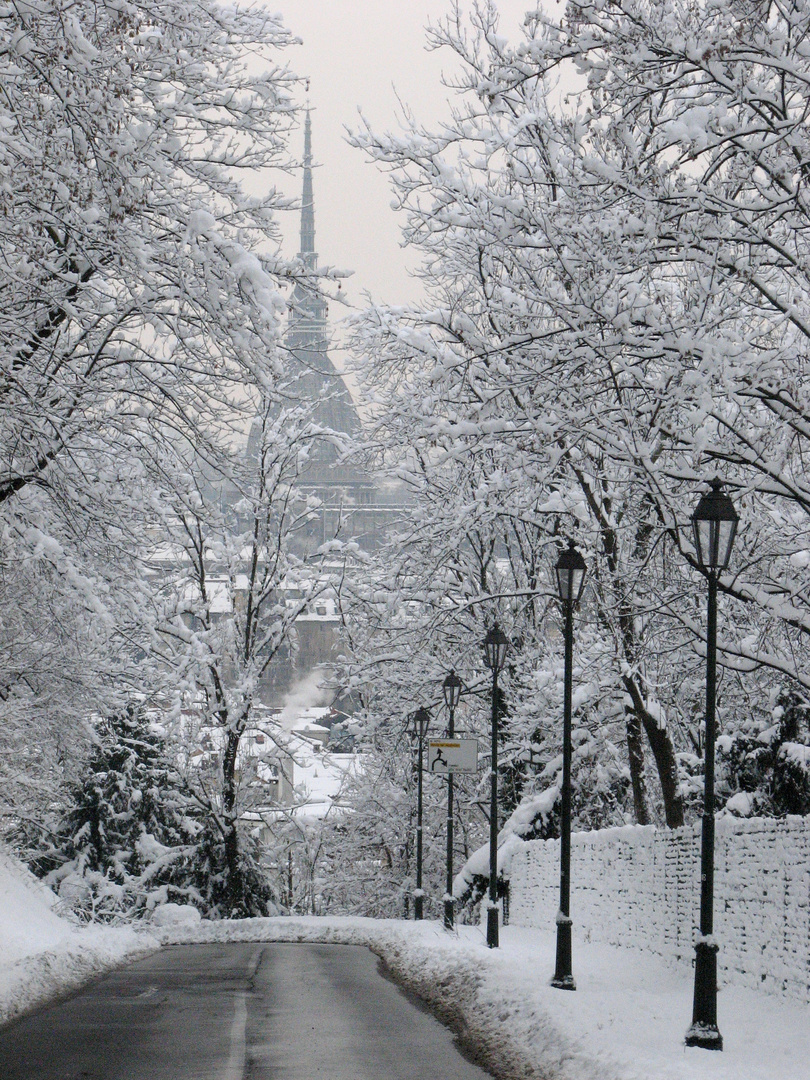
(308, 319)
(318, 381)
(307, 201)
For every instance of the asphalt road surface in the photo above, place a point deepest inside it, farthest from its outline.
(236, 1012)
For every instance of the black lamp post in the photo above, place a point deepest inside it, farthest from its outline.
(421, 719)
(495, 645)
(570, 570)
(451, 688)
(714, 524)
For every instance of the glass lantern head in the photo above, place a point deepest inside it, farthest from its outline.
(451, 688)
(420, 721)
(570, 569)
(495, 645)
(714, 526)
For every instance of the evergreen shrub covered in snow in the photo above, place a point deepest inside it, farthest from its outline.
(211, 884)
(132, 837)
(764, 768)
(129, 836)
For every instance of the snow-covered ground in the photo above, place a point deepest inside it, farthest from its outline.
(43, 953)
(625, 1021)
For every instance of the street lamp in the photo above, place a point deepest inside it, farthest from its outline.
(570, 570)
(714, 524)
(451, 688)
(495, 645)
(420, 721)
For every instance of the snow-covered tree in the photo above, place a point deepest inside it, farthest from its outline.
(764, 763)
(497, 418)
(692, 151)
(127, 835)
(140, 303)
(133, 301)
(240, 574)
(615, 313)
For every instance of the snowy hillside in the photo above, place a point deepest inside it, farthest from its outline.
(29, 919)
(44, 953)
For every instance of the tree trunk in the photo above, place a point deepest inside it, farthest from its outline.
(659, 738)
(234, 890)
(635, 755)
(664, 754)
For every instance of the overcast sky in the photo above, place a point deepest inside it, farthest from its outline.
(364, 54)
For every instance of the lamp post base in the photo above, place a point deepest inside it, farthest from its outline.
(448, 915)
(492, 927)
(563, 976)
(705, 1036)
(418, 907)
(703, 1030)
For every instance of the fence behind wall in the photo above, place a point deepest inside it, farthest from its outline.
(640, 887)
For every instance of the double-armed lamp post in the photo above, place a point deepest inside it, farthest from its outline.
(714, 524)
(451, 688)
(570, 570)
(495, 645)
(421, 720)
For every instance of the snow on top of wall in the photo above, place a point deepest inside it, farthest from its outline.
(741, 804)
(645, 834)
(510, 838)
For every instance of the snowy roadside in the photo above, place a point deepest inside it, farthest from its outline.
(88, 952)
(626, 1020)
(43, 954)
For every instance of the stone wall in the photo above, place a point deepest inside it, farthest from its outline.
(640, 887)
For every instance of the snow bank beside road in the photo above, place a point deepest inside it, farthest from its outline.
(29, 921)
(43, 953)
(626, 1020)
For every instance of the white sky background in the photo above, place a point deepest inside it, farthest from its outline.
(366, 54)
